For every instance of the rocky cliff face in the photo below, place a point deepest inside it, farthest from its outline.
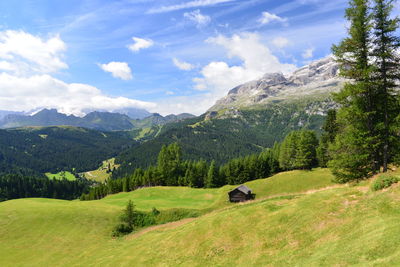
(318, 78)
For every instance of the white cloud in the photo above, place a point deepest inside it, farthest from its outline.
(44, 91)
(26, 62)
(182, 65)
(308, 53)
(196, 16)
(257, 60)
(118, 70)
(140, 43)
(218, 77)
(22, 53)
(190, 4)
(280, 42)
(196, 105)
(267, 17)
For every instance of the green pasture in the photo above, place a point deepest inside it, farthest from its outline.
(61, 175)
(297, 219)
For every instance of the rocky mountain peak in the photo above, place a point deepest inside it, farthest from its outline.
(318, 77)
(317, 71)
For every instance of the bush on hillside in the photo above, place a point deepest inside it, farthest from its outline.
(121, 229)
(132, 219)
(384, 181)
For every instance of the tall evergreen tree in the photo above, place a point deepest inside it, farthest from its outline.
(330, 129)
(287, 152)
(356, 148)
(129, 214)
(305, 151)
(212, 176)
(386, 74)
(298, 150)
(169, 163)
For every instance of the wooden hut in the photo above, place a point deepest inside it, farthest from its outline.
(241, 193)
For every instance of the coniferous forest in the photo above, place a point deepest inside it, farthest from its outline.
(14, 186)
(35, 151)
(297, 151)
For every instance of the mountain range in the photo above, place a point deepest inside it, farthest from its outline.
(319, 78)
(104, 121)
(313, 81)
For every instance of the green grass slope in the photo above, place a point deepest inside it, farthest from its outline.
(102, 173)
(286, 226)
(61, 175)
(191, 198)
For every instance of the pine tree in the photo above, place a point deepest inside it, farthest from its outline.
(305, 151)
(169, 164)
(387, 72)
(330, 129)
(274, 158)
(129, 214)
(356, 148)
(323, 152)
(125, 184)
(212, 176)
(288, 150)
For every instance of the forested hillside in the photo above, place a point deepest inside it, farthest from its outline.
(227, 134)
(34, 151)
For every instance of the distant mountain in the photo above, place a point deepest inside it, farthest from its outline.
(133, 113)
(4, 113)
(104, 121)
(45, 117)
(319, 78)
(157, 119)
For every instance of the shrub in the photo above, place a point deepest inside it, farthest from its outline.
(122, 229)
(143, 219)
(155, 211)
(131, 219)
(384, 181)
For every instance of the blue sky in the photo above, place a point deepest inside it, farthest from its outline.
(168, 56)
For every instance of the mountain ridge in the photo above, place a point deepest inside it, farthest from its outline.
(98, 120)
(320, 77)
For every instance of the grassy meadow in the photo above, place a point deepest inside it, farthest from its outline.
(299, 218)
(61, 175)
(101, 174)
(164, 197)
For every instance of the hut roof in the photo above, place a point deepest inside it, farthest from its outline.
(243, 189)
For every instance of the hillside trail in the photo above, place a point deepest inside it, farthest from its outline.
(176, 224)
